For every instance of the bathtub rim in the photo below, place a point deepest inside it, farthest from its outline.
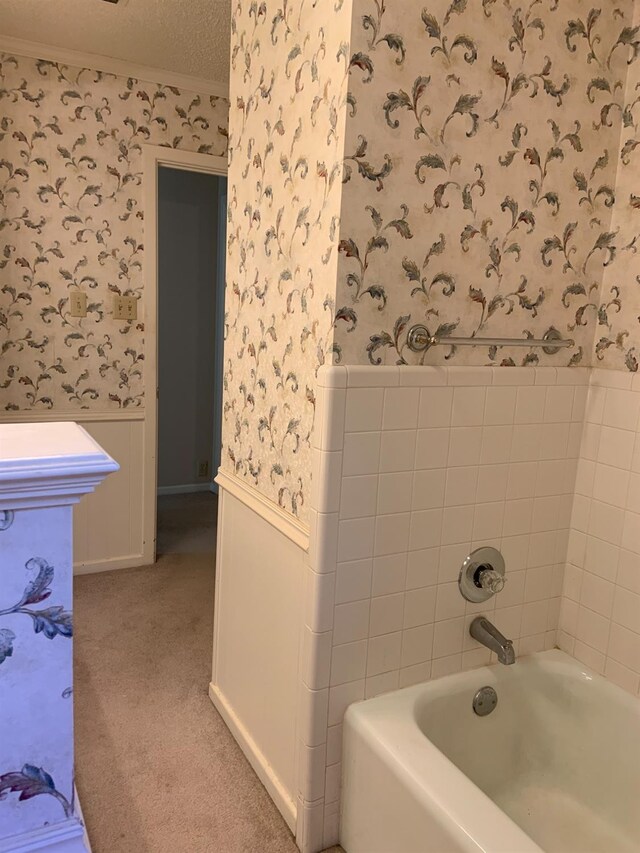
(454, 801)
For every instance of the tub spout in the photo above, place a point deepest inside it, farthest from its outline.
(484, 632)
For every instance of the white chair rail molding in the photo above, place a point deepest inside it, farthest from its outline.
(45, 468)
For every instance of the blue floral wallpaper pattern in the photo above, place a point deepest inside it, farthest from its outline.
(486, 137)
(71, 218)
(50, 621)
(617, 307)
(479, 147)
(289, 67)
(30, 781)
(465, 164)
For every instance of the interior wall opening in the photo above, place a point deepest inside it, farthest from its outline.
(191, 241)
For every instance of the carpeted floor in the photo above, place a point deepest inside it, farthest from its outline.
(157, 769)
(187, 524)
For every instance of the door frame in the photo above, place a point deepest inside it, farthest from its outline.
(154, 156)
(221, 264)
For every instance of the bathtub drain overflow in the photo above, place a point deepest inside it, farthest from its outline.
(485, 701)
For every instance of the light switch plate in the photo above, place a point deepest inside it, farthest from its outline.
(78, 303)
(125, 308)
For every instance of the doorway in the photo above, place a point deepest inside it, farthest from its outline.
(191, 239)
(186, 235)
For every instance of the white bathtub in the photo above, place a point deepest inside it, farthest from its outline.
(555, 767)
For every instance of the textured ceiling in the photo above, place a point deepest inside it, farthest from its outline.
(187, 36)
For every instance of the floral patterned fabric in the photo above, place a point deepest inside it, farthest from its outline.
(71, 218)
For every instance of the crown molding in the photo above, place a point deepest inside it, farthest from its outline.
(49, 464)
(109, 65)
(83, 416)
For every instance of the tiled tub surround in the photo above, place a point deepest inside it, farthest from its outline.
(600, 612)
(413, 469)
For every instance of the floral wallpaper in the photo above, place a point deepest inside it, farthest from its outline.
(483, 193)
(71, 219)
(616, 309)
(480, 168)
(289, 66)
(467, 165)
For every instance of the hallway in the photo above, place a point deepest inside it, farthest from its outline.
(157, 769)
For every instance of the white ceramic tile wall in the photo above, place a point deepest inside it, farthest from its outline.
(419, 467)
(600, 610)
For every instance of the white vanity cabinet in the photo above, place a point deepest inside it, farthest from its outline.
(45, 468)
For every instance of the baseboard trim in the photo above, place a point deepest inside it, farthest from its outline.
(274, 515)
(278, 793)
(65, 837)
(80, 816)
(185, 489)
(131, 561)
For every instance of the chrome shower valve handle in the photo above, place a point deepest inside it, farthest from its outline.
(482, 574)
(490, 580)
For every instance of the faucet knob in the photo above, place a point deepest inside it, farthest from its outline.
(482, 574)
(491, 581)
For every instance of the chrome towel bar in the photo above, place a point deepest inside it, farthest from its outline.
(419, 339)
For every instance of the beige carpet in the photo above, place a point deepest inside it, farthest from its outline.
(187, 524)
(157, 769)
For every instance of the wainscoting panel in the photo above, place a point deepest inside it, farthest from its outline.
(107, 526)
(257, 634)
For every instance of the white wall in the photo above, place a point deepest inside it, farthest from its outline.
(257, 632)
(108, 524)
(187, 271)
(600, 612)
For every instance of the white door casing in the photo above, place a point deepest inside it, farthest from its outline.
(154, 156)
